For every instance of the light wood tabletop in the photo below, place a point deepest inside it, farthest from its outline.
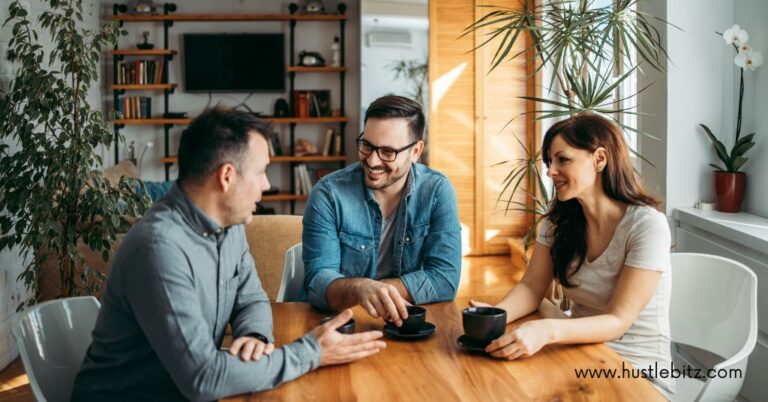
(438, 369)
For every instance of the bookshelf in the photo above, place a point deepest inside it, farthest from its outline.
(168, 17)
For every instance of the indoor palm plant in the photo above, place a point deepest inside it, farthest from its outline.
(52, 192)
(588, 53)
(730, 182)
(414, 72)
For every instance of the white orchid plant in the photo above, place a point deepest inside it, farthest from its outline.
(749, 59)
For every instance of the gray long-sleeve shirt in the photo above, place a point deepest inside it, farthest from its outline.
(176, 281)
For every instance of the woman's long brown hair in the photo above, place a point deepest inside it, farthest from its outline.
(589, 132)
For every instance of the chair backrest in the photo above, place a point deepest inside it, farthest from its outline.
(53, 338)
(714, 308)
(292, 285)
(714, 303)
(269, 236)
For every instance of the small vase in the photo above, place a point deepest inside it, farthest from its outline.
(729, 190)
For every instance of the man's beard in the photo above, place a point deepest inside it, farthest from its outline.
(386, 181)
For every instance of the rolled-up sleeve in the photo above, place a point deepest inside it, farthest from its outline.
(161, 293)
(320, 249)
(438, 280)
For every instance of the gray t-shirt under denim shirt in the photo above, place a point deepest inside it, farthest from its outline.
(385, 266)
(176, 281)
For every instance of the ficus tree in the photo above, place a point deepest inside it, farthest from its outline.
(52, 192)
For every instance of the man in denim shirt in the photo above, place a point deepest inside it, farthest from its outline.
(384, 232)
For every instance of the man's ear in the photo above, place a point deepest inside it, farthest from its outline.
(225, 176)
(600, 159)
(416, 151)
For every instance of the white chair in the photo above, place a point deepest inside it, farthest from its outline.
(714, 308)
(292, 284)
(53, 338)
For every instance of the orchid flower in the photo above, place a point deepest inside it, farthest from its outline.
(750, 61)
(735, 35)
(745, 48)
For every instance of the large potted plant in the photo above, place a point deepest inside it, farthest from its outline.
(588, 53)
(730, 182)
(52, 193)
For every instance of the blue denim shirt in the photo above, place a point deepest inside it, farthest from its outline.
(342, 227)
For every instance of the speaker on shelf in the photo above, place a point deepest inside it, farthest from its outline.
(281, 108)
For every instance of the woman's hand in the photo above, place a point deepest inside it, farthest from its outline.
(475, 303)
(522, 341)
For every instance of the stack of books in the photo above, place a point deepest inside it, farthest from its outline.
(140, 72)
(303, 179)
(134, 107)
(332, 143)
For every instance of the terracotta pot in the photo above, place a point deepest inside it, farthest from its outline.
(729, 190)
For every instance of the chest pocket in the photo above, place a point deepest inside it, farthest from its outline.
(356, 252)
(413, 243)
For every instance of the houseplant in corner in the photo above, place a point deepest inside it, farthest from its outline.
(589, 54)
(730, 182)
(52, 194)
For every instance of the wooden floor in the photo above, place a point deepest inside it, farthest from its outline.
(482, 278)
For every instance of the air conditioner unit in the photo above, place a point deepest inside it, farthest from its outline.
(390, 39)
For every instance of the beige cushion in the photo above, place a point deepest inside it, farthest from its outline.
(269, 236)
(124, 168)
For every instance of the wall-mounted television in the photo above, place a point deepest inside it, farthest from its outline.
(234, 62)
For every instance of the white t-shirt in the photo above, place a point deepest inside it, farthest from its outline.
(642, 240)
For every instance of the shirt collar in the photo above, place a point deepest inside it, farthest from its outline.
(199, 221)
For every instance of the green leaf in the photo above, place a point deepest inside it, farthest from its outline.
(719, 147)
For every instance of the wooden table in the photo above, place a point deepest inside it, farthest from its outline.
(437, 369)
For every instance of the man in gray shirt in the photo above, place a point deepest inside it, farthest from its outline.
(184, 272)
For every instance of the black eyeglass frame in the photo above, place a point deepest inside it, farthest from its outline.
(376, 149)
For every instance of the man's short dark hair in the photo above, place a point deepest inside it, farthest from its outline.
(215, 137)
(393, 106)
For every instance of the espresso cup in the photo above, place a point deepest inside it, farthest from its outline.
(484, 324)
(416, 317)
(347, 328)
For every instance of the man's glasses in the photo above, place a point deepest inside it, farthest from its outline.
(386, 154)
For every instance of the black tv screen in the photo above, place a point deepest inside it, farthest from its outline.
(234, 62)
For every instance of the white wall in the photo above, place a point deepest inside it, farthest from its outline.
(377, 77)
(11, 263)
(653, 102)
(310, 35)
(751, 15)
(700, 89)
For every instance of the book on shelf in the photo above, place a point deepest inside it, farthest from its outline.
(304, 179)
(327, 141)
(275, 149)
(312, 103)
(337, 144)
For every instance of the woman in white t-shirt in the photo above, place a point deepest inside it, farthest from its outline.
(605, 242)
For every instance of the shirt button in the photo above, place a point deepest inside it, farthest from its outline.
(221, 282)
(362, 247)
(407, 239)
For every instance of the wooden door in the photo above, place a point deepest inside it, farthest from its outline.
(475, 120)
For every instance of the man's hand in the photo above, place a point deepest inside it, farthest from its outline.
(382, 300)
(337, 348)
(250, 348)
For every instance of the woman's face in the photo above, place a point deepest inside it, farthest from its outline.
(575, 172)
